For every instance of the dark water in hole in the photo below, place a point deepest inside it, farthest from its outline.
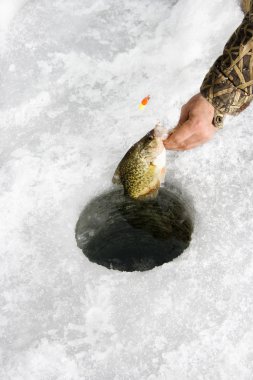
(129, 235)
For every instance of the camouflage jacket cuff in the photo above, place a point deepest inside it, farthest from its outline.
(222, 94)
(247, 5)
(228, 86)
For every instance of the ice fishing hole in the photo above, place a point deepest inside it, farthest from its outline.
(127, 235)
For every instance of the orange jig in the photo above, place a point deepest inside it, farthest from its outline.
(144, 102)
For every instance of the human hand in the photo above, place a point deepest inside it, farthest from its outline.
(194, 127)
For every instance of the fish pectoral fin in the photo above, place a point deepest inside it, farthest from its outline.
(152, 168)
(161, 171)
(116, 177)
(158, 184)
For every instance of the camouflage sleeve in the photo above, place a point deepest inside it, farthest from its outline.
(228, 85)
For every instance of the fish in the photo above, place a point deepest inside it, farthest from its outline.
(142, 169)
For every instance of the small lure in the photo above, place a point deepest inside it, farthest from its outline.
(144, 102)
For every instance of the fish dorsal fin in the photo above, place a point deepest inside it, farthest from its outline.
(116, 177)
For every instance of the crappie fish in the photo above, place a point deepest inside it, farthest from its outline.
(142, 170)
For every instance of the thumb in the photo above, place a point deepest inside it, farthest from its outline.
(178, 137)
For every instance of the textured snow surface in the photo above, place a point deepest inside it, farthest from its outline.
(72, 75)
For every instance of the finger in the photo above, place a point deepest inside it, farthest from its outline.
(179, 136)
(186, 147)
(197, 139)
(191, 144)
(196, 144)
(183, 116)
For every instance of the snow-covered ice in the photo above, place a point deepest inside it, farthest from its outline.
(72, 75)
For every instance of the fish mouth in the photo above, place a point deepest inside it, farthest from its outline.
(160, 147)
(160, 132)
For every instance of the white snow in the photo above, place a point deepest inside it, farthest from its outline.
(8, 9)
(72, 75)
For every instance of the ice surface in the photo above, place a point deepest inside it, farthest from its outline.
(72, 75)
(8, 9)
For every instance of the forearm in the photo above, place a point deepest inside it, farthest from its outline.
(228, 86)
